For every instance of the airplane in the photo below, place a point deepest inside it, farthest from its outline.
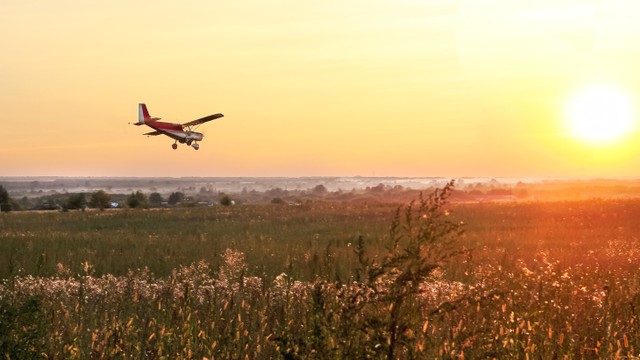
(181, 133)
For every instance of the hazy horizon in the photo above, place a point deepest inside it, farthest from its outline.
(470, 179)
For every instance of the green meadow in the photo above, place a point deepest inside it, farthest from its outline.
(274, 238)
(324, 280)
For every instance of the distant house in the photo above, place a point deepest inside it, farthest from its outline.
(49, 205)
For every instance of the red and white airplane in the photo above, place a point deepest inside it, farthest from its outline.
(182, 133)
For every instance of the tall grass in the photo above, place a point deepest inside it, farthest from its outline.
(525, 280)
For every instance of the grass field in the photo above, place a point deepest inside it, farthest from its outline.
(525, 280)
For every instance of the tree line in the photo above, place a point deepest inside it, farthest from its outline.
(99, 199)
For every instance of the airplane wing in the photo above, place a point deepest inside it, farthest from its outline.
(203, 120)
(154, 133)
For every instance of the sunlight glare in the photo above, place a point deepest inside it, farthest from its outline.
(600, 114)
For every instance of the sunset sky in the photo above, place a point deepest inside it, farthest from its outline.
(328, 88)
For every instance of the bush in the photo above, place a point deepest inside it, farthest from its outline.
(277, 200)
(155, 199)
(5, 200)
(137, 200)
(100, 199)
(226, 200)
(175, 198)
(378, 315)
(77, 201)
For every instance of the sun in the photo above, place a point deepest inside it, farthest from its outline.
(600, 115)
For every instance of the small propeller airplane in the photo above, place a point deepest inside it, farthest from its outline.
(181, 133)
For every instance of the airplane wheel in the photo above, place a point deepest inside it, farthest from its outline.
(174, 146)
(189, 142)
(196, 146)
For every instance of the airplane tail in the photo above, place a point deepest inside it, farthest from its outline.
(143, 114)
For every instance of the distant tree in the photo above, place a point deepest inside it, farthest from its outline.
(398, 188)
(4, 195)
(137, 200)
(77, 201)
(175, 198)
(276, 192)
(206, 190)
(226, 200)
(155, 199)
(100, 199)
(25, 203)
(319, 190)
(378, 188)
(5, 200)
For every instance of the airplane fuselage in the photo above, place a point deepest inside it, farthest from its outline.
(175, 131)
(161, 125)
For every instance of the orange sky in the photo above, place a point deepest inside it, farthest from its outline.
(385, 88)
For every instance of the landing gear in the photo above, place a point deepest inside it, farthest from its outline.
(191, 143)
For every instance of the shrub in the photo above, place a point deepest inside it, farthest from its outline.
(137, 200)
(100, 199)
(77, 201)
(175, 197)
(422, 239)
(225, 200)
(5, 200)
